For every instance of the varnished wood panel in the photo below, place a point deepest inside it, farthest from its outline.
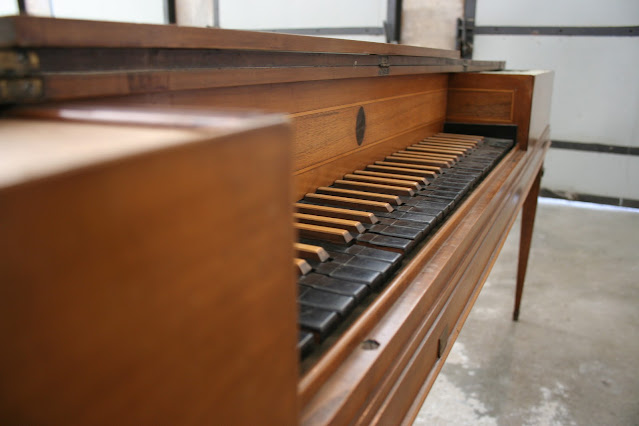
(133, 292)
(531, 92)
(469, 107)
(471, 104)
(295, 98)
(98, 84)
(329, 134)
(399, 111)
(325, 173)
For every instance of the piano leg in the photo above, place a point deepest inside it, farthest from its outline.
(527, 222)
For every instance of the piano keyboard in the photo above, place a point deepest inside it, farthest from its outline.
(354, 234)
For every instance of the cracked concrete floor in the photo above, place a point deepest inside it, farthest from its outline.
(573, 357)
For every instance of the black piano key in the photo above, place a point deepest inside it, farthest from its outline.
(424, 201)
(399, 222)
(347, 288)
(467, 173)
(439, 203)
(448, 186)
(460, 191)
(396, 231)
(443, 198)
(373, 279)
(353, 271)
(326, 300)
(444, 194)
(304, 343)
(358, 250)
(301, 291)
(438, 213)
(466, 179)
(319, 321)
(387, 256)
(471, 167)
(393, 243)
(500, 144)
(453, 176)
(361, 262)
(425, 219)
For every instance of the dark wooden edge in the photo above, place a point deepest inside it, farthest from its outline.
(500, 131)
(120, 59)
(29, 31)
(408, 307)
(67, 86)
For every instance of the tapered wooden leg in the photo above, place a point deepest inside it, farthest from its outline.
(527, 223)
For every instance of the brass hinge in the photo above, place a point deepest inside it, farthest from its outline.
(384, 65)
(17, 63)
(19, 89)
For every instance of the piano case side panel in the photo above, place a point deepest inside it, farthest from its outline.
(154, 288)
(492, 98)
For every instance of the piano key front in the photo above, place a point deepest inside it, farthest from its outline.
(370, 219)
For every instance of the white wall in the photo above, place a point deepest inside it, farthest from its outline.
(596, 90)
(139, 11)
(8, 7)
(281, 14)
(236, 14)
(596, 82)
(260, 14)
(555, 13)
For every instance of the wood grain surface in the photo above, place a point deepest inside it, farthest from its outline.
(469, 95)
(129, 296)
(308, 251)
(34, 31)
(384, 181)
(374, 187)
(399, 111)
(82, 356)
(360, 216)
(323, 233)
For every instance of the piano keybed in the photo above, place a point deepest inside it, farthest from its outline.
(354, 234)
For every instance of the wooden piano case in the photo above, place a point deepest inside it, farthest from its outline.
(138, 260)
(349, 104)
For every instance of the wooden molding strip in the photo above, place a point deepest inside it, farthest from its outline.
(28, 31)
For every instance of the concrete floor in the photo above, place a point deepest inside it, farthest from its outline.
(573, 358)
